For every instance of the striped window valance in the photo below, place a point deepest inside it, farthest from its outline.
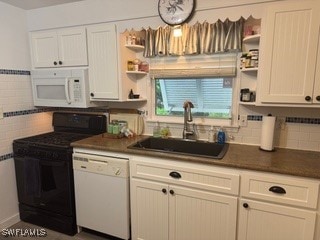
(200, 38)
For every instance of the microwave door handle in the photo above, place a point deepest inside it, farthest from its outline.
(66, 88)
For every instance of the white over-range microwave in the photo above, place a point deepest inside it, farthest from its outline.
(61, 88)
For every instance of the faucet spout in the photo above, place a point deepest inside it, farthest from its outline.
(187, 133)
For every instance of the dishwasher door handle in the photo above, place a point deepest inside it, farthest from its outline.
(97, 161)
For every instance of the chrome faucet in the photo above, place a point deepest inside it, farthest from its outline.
(187, 133)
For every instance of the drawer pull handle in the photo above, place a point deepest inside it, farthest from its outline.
(164, 190)
(277, 189)
(245, 205)
(175, 175)
(171, 192)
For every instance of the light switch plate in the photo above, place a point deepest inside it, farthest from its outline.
(1, 113)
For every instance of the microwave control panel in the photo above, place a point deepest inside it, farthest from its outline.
(76, 90)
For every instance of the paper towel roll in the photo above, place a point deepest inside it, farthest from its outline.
(267, 132)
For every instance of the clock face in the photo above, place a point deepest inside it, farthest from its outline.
(175, 12)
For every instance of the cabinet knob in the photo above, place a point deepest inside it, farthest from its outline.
(307, 98)
(164, 190)
(55, 63)
(60, 62)
(171, 192)
(318, 98)
(245, 205)
(92, 94)
(175, 175)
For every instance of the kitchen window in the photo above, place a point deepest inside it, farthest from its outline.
(212, 97)
(209, 82)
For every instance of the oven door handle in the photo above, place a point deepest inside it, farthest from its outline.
(67, 90)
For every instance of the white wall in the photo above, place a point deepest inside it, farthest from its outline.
(14, 47)
(15, 95)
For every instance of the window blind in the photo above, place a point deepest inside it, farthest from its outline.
(217, 65)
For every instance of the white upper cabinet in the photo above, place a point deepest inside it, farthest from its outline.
(289, 60)
(103, 62)
(59, 48)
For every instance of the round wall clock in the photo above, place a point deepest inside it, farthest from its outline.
(175, 12)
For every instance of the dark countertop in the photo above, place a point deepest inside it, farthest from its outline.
(283, 161)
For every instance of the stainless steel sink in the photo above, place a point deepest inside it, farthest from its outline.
(181, 146)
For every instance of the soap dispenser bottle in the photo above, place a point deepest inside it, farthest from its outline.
(157, 130)
(221, 136)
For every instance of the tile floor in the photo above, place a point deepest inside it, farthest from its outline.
(52, 235)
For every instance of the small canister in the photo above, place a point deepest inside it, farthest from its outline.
(115, 128)
(245, 95)
(130, 66)
(110, 128)
(248, 61)
(243, 60)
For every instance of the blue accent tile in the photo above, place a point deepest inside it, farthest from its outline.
(6, 157)
(303, 120)
(14, 72)
(26, 112)
(254, 118)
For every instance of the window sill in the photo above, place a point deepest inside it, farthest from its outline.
(197, 121)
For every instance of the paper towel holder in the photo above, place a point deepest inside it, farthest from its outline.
(273, 148)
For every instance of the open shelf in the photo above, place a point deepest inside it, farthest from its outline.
(247, 103)
(136, 48)
(136, 72)
(252, 39)
(249, 69)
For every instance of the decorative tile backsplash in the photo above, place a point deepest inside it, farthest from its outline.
(288, 119)
(14, 72)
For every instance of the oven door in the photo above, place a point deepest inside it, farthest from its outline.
(45, 184)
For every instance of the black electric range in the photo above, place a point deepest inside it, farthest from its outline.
(44, 172)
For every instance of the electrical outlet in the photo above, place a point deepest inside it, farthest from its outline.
(243, 121)
(1, 113)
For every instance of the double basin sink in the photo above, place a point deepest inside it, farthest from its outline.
(182, 146)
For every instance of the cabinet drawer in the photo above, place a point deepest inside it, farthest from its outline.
(192, 175)
(280, 189)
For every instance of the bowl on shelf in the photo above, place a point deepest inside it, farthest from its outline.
(136, 96)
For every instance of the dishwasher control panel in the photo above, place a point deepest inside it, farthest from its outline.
(105, 165)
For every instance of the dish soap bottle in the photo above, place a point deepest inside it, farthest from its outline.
(157, 131)
(221, 136)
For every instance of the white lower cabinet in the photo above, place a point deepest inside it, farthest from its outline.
(149, 210)
(170, 209)
(176, 200)
(277, 207)
(161, 211)
(265, 221)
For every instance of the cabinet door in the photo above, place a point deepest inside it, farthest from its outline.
(201, 215)
(316, 92)
(103, 62)
(149, 210)
(263, 221)
(44, 47)
(72, 47)
(289, 58)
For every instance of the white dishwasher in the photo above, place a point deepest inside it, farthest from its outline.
(102, 192)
